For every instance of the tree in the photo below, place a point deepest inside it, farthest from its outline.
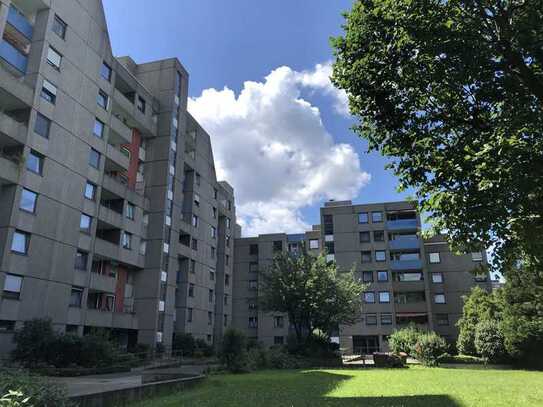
(479, 306)
(489, 341)
(233, 353)
(311, 292)
(452, 92)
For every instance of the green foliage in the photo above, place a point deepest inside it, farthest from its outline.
(489, 341)
(479, 306)
(461, 359)
(404, 340)
(203, 348)
(233, 354)
(429, 347)
(311, 292)
(33, 342)
(38, 392)
(184, 342)
(452, 92)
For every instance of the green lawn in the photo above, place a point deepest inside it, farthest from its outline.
(415, 386)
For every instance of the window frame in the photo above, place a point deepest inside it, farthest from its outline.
(436, 295)
(34, 202)
(436, 274)
(432, 258)
(26, 242)
(373, 215)
(40, 118)
(49, 92)
(89, 228)
(102, 128)
(109, 71)
(10, 294)
(93, 187)
(383, 259)
(40, 159)
(388, 295)
(366, 293)
(379, 273)
(102, 95)
(52, 52)
(361, 216)
(59, 22)
(98, 155)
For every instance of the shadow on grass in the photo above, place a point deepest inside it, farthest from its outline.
(326, 382)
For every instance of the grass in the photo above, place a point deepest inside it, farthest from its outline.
(415, 386)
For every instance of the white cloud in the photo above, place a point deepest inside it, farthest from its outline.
(271, 145)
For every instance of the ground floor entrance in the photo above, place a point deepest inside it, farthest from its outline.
(365, 344)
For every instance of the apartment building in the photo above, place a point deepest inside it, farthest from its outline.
(111, 215)
(408, 280)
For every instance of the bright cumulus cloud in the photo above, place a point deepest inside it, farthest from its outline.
(271, 145)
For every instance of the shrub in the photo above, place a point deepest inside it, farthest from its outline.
(203, 348)
(33, 342)
(97, 351)
(466, 342)
(258, 358)
(489, 341)
(428, 348)
(64, 350)
(404, 340)
(39, 392)
(386, 360)
(141, 350)
(461, 359)
(233, 354)
(184, 343)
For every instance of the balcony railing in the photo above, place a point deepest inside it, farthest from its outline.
(402, 224)
(20, 22)
(404, 243)
(406, 265)
(13, 56)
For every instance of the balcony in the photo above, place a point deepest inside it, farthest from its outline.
(20, 23)
(404, 243)
(401, 224)
(13, 57)
(13, 129)
(120, 130)
(102, 282)
(406, 264)
(124, 320)
(116, 159)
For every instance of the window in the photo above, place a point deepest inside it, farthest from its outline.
(214, 212)
(278, 340)
(437, 278)
(90, 191)
(85, 223)
(369, 297)
(81, 260)
(363, 217)
(253, 250)
(227, 241)
(408, 276)
(252, 306)
(213, 232)
(227, 260)
(211, 275)
(253, 267)
(225, 299)
(384, 296)
(409, 297)
(7, 326)
(195, 221)
(278, 322)
(227, 280)
(225, 320)
(380, 255)
(253, 322)
(194, 244)
(49, 92)
(434, 258)
(127, 240)
(102, 99)
(54, 58)
(442, 319)
(439, 298)
(364, 237)
(59, 27)
(210, 295)
(386, 319)
(367, 276)
(382, 276)
(213, 252)
(141, 104)
(192, 266)
(28, 201)
(277, 246)
(477, 256)
(366, 257)
(105, 71)
(76, 297)
(371, 319)
(42, 126)
(34, 162)
(94, 158)
(197, 178)
(313, 244)
(378, 236)
(143, 247)
(130, 211)
(12, 286)
(228, 223)
(253, 284)
(191, 290)
(215, 193)
(189, 314)
(20, 242)
(196, 199)
(98, 130)
(376, 217)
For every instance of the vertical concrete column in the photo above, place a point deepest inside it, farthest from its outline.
(4, 9)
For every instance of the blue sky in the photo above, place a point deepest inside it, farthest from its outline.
(226, 43)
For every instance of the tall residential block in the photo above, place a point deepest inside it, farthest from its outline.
(408, 279)
(111, 215)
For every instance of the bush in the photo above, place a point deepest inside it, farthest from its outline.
(461, 359)
(39, 392)
(386, 360)
(97, 351)
(33, 342)
(233, 354)
(141, 350)
(203, 348)
(466, 342)
(428, 348)
(404, 340)
(184, 343)
(489, 341)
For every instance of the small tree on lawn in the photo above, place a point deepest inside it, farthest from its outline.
(312, 292)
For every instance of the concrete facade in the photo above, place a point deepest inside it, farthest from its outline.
(104, 179)
(408, 279)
